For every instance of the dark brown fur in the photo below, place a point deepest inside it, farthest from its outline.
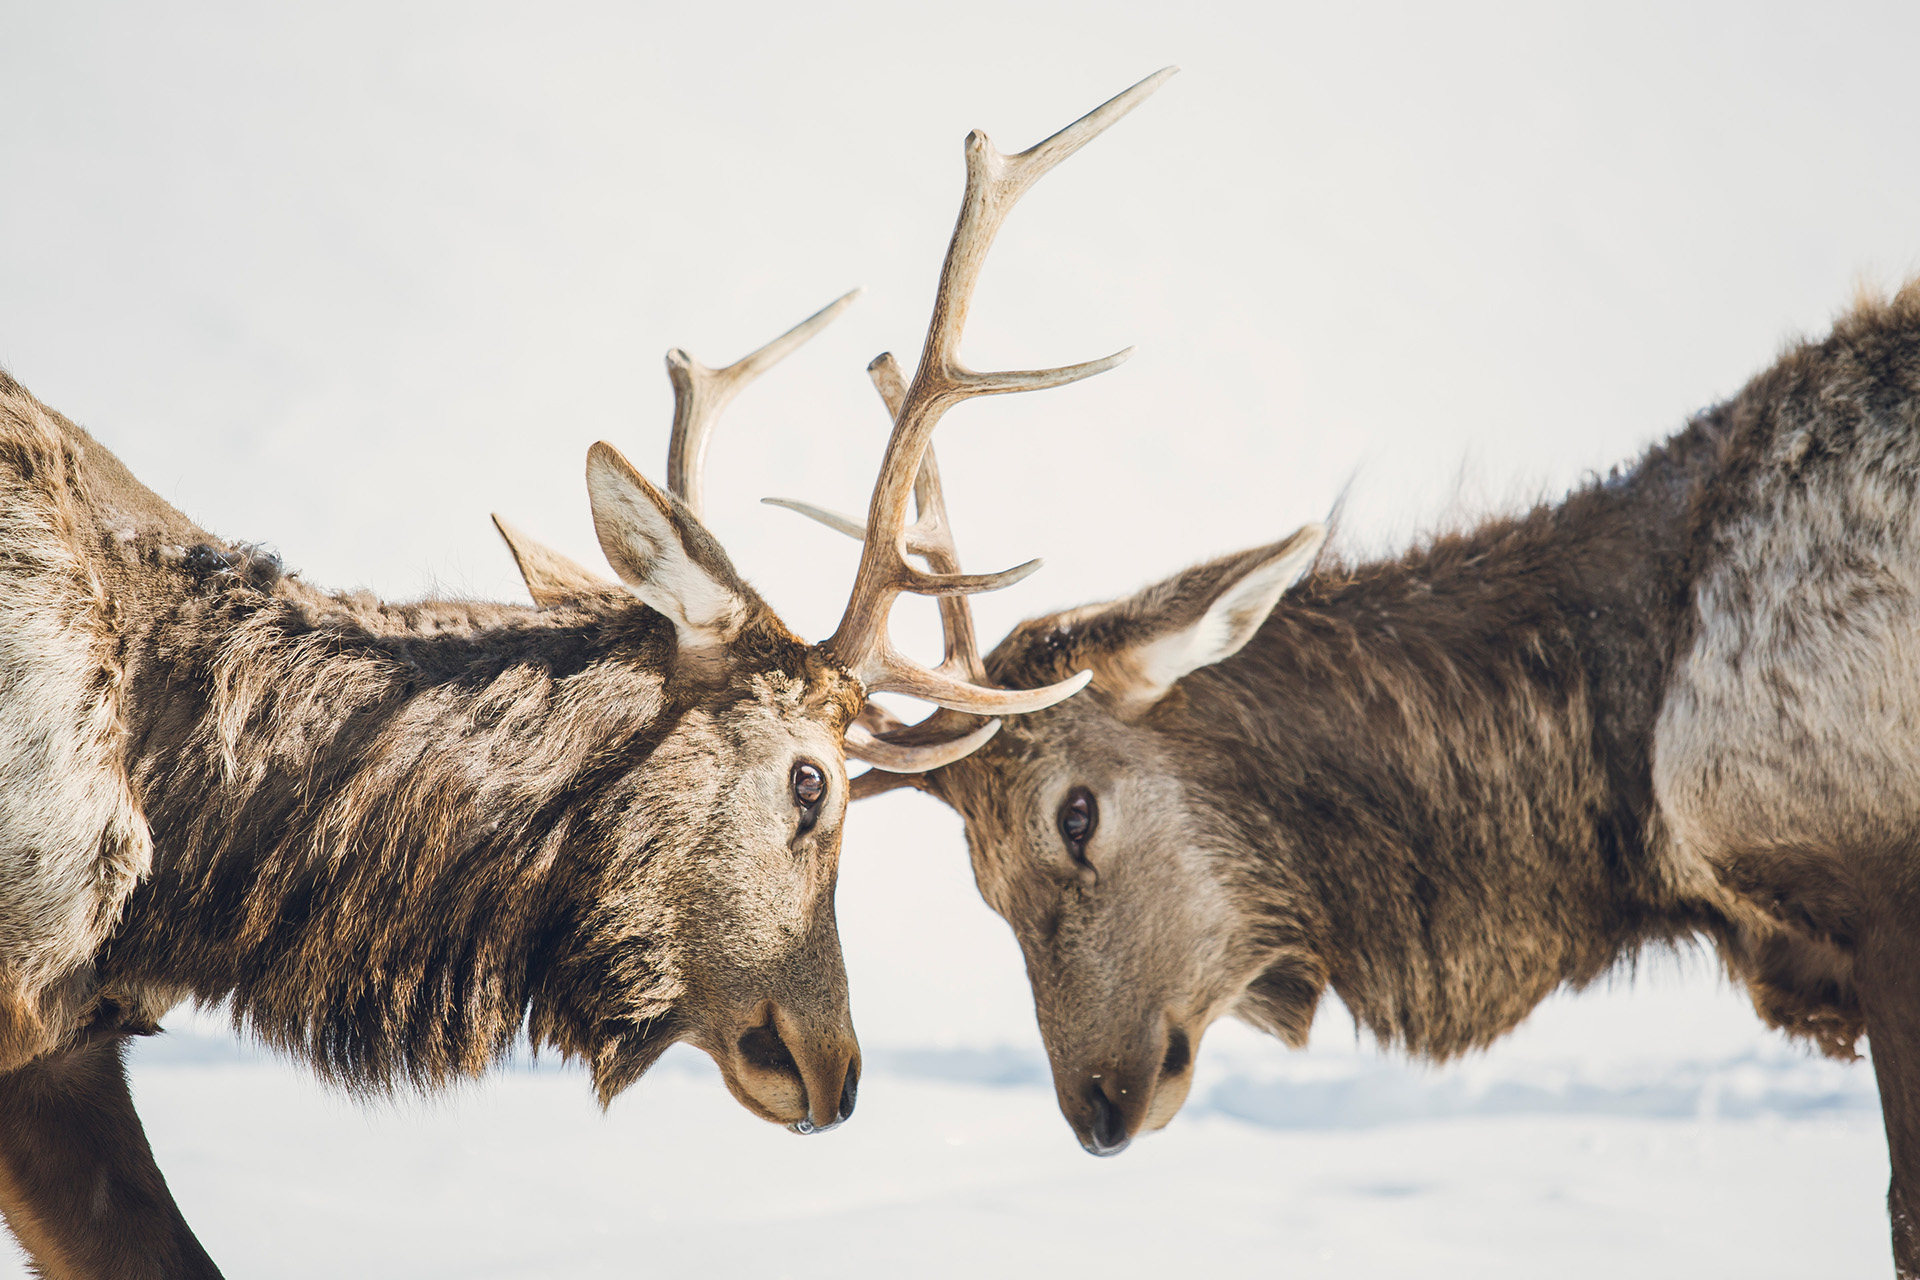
(1431, 782)
(391, 838)
(468, 765)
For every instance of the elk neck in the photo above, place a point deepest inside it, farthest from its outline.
(1437, 768)
(369, 820)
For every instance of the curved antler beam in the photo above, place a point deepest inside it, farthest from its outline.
(891, 757)
(960, 695)
(964, 584)
(995, 182)
(997, 384)
(700, 393)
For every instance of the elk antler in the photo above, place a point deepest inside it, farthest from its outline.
(954, 735)
(700, 393)
(930, 535)
(995, 182)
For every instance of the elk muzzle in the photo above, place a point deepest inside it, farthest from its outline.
(793, 1071)
(1110, 1103)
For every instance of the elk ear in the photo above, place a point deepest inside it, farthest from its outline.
(551, 578)
(1196, 618)
(664, 554)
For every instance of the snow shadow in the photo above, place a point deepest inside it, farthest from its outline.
(1382, 1093)
(1361, 1092)
(1313, 1090)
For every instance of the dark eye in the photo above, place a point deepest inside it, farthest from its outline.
(809, 789)
(1079, 815)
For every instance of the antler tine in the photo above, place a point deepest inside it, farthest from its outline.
(929, 535)
(932, 535)
(929, 507)
(995, 182)
(700, 393)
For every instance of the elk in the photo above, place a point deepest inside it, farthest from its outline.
(390, 836)
(1681, 704)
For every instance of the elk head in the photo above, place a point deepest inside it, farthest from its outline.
(733, 816)
(755, 778)
(1101, 831)
(1091, 832)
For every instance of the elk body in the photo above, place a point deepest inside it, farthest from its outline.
(1682, 703)
(391, 836)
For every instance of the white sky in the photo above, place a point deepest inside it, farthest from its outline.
(346, 278)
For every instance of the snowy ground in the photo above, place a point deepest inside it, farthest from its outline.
(1583, 1147)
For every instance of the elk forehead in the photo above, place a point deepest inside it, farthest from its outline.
(814, 687)
(779, 718)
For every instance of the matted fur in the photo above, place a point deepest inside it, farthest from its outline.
(72, 839)
(389, 839)
(1682, 703)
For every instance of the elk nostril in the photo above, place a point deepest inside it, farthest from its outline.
(1179, 1053)
(1107, 1132)
(849, 1091)
(762, 1047)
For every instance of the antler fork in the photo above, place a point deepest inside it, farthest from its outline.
(995, 182)
(953, 735)
(700, 393)
(930, 535)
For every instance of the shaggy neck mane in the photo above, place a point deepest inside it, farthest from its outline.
(1443, 761)
(367, 820)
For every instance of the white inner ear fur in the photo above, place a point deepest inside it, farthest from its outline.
(1229, 622)
(640, 533)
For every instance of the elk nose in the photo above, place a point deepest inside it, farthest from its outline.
(849, 1092)
(1179, 1055)
(845, 1092)
(1106, 1133)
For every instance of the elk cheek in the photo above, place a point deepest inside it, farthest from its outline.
(1049, 925)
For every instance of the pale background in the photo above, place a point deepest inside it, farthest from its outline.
(346, 279)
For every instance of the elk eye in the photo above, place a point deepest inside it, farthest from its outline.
(809, 789)
(1079, 815)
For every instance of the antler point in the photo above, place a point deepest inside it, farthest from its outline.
(995, 181)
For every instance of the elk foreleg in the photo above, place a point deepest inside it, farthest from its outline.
(1887, 969)
(78, 1183)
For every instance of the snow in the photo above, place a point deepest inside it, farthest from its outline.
(1650, 1128)
(943, 1172)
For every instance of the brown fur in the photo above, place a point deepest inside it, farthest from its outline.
(386, 837)
(1675, 705)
